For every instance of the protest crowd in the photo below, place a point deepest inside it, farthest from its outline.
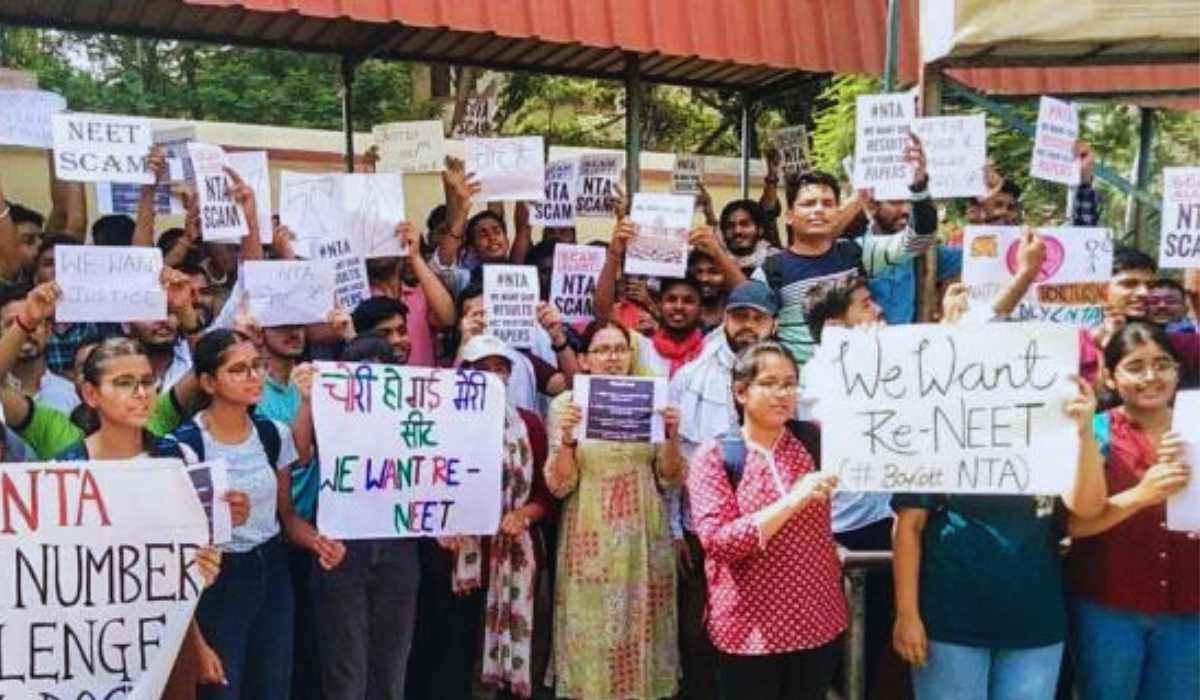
(653, 445)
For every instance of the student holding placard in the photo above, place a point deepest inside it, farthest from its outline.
(615, 591)
(760, 505)
(1135, 616)
(958, 562)
(247, 616)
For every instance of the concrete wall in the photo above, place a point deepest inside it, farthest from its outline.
(25, 172)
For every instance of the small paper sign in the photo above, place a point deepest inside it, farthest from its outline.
(507, 169)
(555, 208)
(109, 283)
(510, 298)
(1054, 142)
(101, 148)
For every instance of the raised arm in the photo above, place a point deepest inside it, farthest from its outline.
(606, 285)
(143, 230)
(704, 239)
(522, 234)
(243, 194)
(68, 205)
(441, 304)
(37, 309)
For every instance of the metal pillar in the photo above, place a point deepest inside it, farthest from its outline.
(747, 126)
(1142, 164)
(856, 566)
(927, 291)
(891, 56)
(348, 66)
(633, 123)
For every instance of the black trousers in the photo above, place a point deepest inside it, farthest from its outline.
(795, 675)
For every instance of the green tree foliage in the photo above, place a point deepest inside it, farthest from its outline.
(192, 81)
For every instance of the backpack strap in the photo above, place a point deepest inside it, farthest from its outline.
(268, 435)
(733, 454)
(185, 443)
(809, 435)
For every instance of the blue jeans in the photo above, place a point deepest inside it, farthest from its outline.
(957, 672)
(1121, 655)
(247, 618)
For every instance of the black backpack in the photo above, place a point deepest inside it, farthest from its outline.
(733, 447)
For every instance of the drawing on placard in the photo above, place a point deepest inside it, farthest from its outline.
(315, 200)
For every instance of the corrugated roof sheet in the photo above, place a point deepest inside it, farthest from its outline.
(740, 44)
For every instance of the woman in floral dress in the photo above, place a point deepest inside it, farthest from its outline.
(614, 603)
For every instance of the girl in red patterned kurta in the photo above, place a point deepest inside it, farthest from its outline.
(775, 608)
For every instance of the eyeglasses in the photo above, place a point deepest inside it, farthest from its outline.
(243, 371)
(610, 351)
(1161, 367)
(777, 388)
(129, 385)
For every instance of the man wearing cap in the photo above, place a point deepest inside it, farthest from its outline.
(702, 389)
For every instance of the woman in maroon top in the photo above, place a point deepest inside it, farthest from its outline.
(775, 607)
(1136, 615)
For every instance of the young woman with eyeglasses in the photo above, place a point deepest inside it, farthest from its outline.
(246, 617)
(1135, 614)
(614, 621)
(118, 390)
(775, 607)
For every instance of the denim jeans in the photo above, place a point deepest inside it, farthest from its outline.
(367, 607)
(1122, 655)
(247, 618)
(957, 672)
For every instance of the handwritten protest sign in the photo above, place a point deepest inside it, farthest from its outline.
(211, 482)
(289, 292)
(310, 205)
(955, 154)
(945, 409)
(109, 283)
(254, 169)
(25, 117)
(122, 197)
(1068, 289)
(394, 461)
(573, 284)
(510, 299)
(881, 130)
(1179, 245)
(100, 581)
(1054, 142)
(372, 206)
(687, 174)
(507, 169)
(1183, 508)
(478, 117)
(410, 147)
(792, 144)
(101, 148)
(555, 208)
(221, 217)
(660, 246)
(623, 409)
(596, 180)
(351, 285)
